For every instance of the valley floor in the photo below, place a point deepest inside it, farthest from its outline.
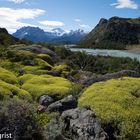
(50, 93)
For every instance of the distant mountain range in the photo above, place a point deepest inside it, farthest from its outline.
(114, 33)
(116, 30)
(57, 35)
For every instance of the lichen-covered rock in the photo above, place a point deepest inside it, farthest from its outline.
(45, 100)
(82, 124)
(66, 103)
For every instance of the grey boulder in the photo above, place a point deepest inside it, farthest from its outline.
(45, 100)
(66, 103)
(82, 124)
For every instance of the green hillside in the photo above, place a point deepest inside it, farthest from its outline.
(114, 33)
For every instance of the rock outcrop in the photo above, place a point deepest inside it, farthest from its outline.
(82, 124)
(72, 123)
(66, 103)
(37, 49)
(90, 78)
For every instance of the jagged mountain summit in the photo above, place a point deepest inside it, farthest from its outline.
(115, 30)
(31, 33)
(57, 35)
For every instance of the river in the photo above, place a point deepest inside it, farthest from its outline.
(105, 52)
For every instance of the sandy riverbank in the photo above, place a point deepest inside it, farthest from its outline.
(134, 50)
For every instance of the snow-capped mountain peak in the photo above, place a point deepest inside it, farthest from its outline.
(56, 35)
(58, 31)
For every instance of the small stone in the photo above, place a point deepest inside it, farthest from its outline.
(45, 100)
(41, 109)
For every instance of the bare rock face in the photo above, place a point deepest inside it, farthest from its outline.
(66, 103)
(82, 124)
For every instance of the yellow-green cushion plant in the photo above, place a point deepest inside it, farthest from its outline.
(116, 101)
(45, 84)
(45, 57)
(34, 70)
(23, 53)
(14, 67)
(7, 76)
(41, 62)
(10, 90)
(61, 67)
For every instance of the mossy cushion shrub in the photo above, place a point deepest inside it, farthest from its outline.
(41, 62)
(11, 90)
(116, 101)
(7, 76)
(20, 55)
(34, 70)
(63, 68)
(46, 58)
(14, 67)
(45, 84)
(39, 67)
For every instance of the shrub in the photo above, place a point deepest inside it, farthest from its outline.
(39, 67)
(31, 69)
(55, 129)
(102, 64)
(45, 84)
(115, 103)
(11, 66)
(17, 117)
(10, 90)
(7, 76)
(62, 52)
(46, 58)
(20, 55)
(41, 62)
(44, 118)
(63, 68)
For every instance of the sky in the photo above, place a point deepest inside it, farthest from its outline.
(65, 14)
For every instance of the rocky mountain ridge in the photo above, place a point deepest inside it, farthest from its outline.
(113, 31)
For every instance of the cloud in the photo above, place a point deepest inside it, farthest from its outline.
(16, 1)
(125, 4)
(51, 23)
(77, 20)
(11, 19)
(84, 26)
